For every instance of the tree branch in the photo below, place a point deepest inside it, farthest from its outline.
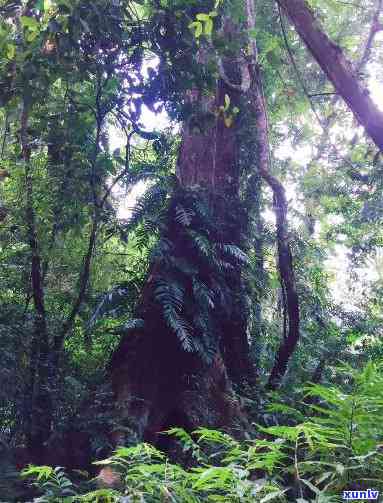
(285, 261)
(295, 67)
(38, 396)
(123, 172)
(97, 207)
(83, 284)
(374, 29)
(337, 68)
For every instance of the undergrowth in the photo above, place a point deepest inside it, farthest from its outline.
(333, 442)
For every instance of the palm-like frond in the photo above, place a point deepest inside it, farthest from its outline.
(183, 216)
(234, 252)
(148, 204)
(170, 296)
(193, 288)
(203, 294)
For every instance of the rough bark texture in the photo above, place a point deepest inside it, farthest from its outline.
(208, 154)
(285, 262)
(337, 68)
(157, 383)
(286, 271)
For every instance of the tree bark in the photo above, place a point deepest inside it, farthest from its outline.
(40, 406)
(157, 384)
(337, 68)
(285, 261)
(286, 271)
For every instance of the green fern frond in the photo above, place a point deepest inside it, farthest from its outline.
(170, 296)
(203, 209)
(203, 294)
(201, 243)
(162, 251)
(148, 204)
(183, 216)
(234, 252)
(181, 328)
(224, 266)
(183, 266)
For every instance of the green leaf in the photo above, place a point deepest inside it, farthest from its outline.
(11, 51)
(273, 495)
(31, 36)
(203, 17)
(314, 489)
(198, 28)
(40, 472)
(227, 102)
(198, 31)
(208, 27)
(30, 23)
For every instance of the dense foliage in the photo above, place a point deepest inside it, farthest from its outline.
(314, 457)
(256, 280)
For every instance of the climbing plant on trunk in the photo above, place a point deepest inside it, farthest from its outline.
(179, 366)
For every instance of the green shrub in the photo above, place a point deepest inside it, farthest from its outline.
(337, 446)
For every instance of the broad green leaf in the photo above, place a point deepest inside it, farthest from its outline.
(30, 23)
(198, 31)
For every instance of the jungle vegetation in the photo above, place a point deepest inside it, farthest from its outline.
(191, 268)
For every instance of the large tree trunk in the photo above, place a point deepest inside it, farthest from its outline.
(157, 383)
